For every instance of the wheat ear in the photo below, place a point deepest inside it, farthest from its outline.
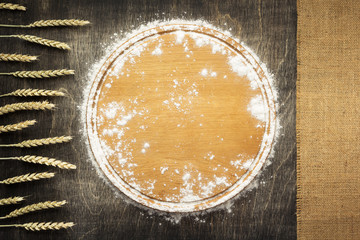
(11, 6)
(39, 40)
(58, 23)
(11, 200)
(17, 126)
(34, 207)
(51, 23)
(42, 160)
(28, 177)
(45, 105)
(39, 142)
(16, 57)
(36, 226)
(34, 93)
(40, 74)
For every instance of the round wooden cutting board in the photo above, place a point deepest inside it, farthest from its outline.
(181, 117)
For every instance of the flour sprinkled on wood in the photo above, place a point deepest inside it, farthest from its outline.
(199, 126)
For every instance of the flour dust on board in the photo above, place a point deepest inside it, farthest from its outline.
(180, 116)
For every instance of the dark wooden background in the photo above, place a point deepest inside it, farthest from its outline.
(267, 212)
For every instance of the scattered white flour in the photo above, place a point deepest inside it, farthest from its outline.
(186, 177)
(115, 110)
(111, 110)
(157, 50)
(243, 69)
(221, 180)
(125, 119)
(247, 164)
(199, 40)
(186, 190)
(122, 161)
(163, 169)
(204, 72)
(179, 36)
(257, 108)
(239, 66)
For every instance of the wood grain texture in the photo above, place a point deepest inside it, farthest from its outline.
(174, 121)
(267, 212)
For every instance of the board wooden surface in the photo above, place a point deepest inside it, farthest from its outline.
(173, 118)
(266, 212)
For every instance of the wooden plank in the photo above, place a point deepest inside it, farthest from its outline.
(267, 212)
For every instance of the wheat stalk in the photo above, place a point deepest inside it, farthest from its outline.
(36, 226)
(34, 93)
(28, 177)
(40, 74)
(11, 200)
(39, 142)
(42, 160)
(11, 6)
(58, 23)
(51, 23)
(39, 40)
(34, 207)
(45, 105)
(17, 57)
(17, 126)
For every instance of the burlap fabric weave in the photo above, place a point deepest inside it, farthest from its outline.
(328, 119)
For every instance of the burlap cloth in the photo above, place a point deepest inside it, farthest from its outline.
(328, 119)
